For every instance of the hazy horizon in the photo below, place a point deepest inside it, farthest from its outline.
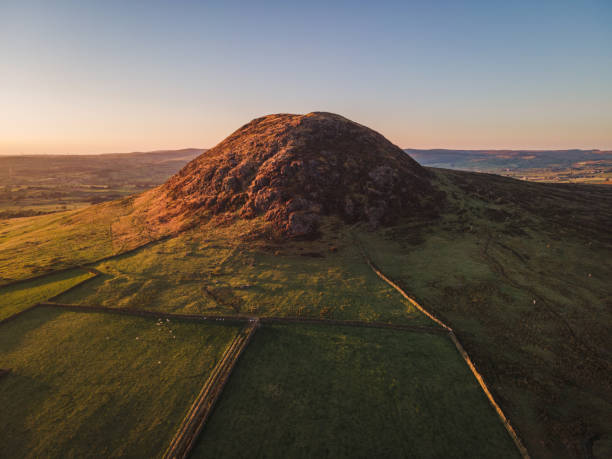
(208, 148)
(91, 78)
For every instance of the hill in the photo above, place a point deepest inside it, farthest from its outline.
(293, 169)
(519, 270)
(39, 184)
(563, 166)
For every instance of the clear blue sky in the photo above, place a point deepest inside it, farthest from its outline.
(86, 77)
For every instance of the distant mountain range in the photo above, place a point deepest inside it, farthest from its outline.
(506, 160)
(109, 169)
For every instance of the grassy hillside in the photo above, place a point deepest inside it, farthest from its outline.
(522, 272)
(37, 245)
(100, 385)
(215, 270)
(305, 391)
(20, 296)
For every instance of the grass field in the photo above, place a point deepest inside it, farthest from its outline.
(100, 385)
(526, 286)
(57, 241)
(216, 272)
(20, 296)
(320, 391)
(48, 243)
(569, 166)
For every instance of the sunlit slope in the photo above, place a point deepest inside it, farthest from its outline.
(218, 270)
(37, 245)
(520, 271)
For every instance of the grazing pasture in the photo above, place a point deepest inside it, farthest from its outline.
(86, 384)
(326, 391)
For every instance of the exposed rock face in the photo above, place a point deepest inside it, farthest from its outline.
(294, 168)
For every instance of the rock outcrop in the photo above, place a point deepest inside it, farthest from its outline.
(292, 169)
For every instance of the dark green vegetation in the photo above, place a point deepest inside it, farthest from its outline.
(563, 166)
(321, 391)
(39, 184)
(20, 296)
(100, 385)
(522, 273)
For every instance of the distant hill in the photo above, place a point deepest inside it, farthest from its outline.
(35, 184)
(487, 160)
(93, 169)
(592, 166)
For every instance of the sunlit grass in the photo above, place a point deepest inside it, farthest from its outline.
(100, 385)
(217, 272)
(32, 246)
(20, 296)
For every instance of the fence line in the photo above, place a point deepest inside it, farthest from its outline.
(350, 323)
(202, 407)
(513, 434)
(17, 314)
(144, 312)
(87, 265)
(23, 311)
(242, 318)
(40, 276)
(199, 412)
(75, 286)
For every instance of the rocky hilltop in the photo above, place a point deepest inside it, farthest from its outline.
(293, 169)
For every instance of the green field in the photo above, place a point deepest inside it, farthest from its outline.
(17, 297)
(100, 385)
(33, 246)
(321, 391)
(51, 242)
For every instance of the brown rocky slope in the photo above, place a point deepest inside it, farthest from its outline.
(293, 169)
